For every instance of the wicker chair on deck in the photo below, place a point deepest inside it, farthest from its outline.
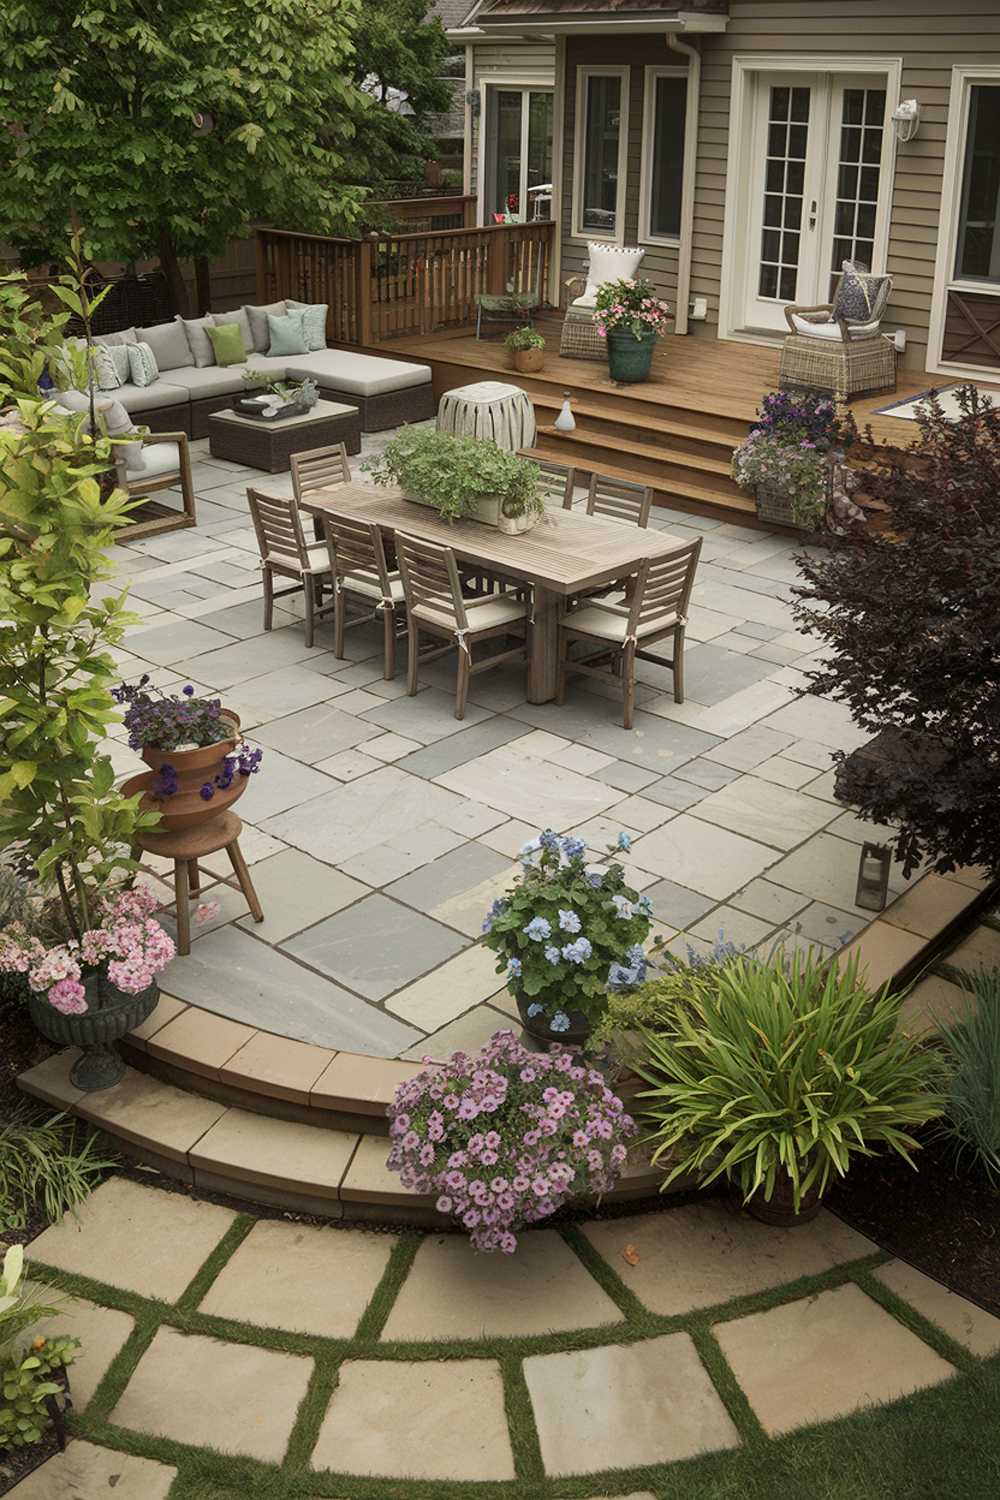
(837, 346)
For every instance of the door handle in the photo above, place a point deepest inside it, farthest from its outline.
(812, 214)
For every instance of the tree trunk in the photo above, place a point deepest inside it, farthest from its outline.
(171, 268)
(203, 284)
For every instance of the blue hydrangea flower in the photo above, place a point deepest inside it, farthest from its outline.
(559, 1022)
(514, 969)
(538, 929)
(627, 976)
(496, 910)
(535, 1009)
(569, 921)
(595, 878)
(573, 847)
(636, 954)
(530, 848)
(624, 842)
(578, 952)
(644, 906)
(552, 953)
(549, 840)
(623, 906)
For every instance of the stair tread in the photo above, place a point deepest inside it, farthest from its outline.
(681, 488)
(645, 450)
(669, 426)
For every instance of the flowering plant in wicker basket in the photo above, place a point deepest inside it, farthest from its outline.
(629, 306)
(505, 1136)
(790, 448)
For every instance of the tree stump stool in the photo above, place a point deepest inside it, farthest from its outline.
(186, 847)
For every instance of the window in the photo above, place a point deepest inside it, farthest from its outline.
(518, 153)
(663, 153)
(978, 252)
(602, 131)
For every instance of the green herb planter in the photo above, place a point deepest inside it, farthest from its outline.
(111, 1014)
(629, 358)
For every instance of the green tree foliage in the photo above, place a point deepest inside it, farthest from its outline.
(401, 50)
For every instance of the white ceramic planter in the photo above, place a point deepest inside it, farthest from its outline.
(489, 513)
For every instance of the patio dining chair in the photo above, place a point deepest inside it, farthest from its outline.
(619, 500)
(436, 605)
(285, 553)
(555, 483)
(358, 565)
(318, 469)
(625, 631)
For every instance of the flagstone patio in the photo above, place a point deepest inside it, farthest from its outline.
(380, 828)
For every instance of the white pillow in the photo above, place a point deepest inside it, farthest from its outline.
(201, 345)
(608, 263)
(142, 364)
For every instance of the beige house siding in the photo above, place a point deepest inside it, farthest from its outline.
(531, 62)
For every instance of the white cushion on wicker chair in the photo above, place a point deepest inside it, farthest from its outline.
(607, 263)
(503, 610)
(601, 622)
(831, 330)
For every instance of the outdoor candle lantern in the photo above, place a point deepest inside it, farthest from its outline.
(873, 877)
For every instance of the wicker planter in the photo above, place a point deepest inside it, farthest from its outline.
(629, 358)
(775, 507)
(194, 768)
(538, 1027)
(527, 361)
(110, 1015)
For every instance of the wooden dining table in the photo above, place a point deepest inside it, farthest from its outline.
(565, 554)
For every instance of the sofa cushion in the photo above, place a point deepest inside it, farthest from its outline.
(239, 317)
(359, 374)
(142, 364)
(216, 380)
(117, 423)
(286, 334)
(828, 329)
(123, 336)
(313, 322)
(137, 398)
(159, 459)
(111, 365)
(195, 331)
(258, 322)
(169, 344)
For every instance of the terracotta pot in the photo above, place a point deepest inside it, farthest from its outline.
(187, 808)
(779, 1209)
(110, 1015)
(528, 360)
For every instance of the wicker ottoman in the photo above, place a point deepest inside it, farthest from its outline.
(859, 367)
(580, 338)
(270, 445)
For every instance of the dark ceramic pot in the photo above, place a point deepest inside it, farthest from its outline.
(538, 1026)
(629, 358)
(779, 1209)
(110, 1015)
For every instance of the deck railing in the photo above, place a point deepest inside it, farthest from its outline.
(393, 284)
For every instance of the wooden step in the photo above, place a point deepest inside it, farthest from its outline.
(297, 1166)
(689, 437)
(687, 495)
(648, 457)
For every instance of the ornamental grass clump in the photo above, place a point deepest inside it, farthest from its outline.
(779, 1072)
(504, 1137)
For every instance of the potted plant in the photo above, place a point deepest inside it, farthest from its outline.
(793, 456)
(774, 1073)
(566, 934)
(33, 1372)
(199, 764)
(629, 314)
(527, 346)
(506, 1136)
(280, 398)
(462, 478)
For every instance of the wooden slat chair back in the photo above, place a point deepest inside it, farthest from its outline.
(555, 483)
(619, 500)
(435, 604)
(625, 630)
(319, 468)
(360, 572)
(284, 552)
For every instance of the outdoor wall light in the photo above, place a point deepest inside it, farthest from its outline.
(474, 100)
(906, 120)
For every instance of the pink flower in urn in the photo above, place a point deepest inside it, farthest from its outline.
(69, 997)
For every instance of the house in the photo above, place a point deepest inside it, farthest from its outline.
(750, 147)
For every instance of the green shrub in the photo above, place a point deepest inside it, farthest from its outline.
(454, 473)
(26, 1369)
(758, 1068)
(45, 1159)
(972, 1104)
(522, 339)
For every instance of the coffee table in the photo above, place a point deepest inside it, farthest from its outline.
(270, 445)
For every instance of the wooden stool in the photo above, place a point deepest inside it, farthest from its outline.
(186, 847)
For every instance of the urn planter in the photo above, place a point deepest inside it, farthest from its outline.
(528, 361)
(110, 1015)
(629, 358)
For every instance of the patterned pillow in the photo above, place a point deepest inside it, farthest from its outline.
(111, 365)
(313, 322)
(142, 364)
(857, 293)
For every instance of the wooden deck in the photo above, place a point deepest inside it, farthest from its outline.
(676, 431)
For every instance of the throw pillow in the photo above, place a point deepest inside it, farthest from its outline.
(259, 331)
(287, 334)
(111, 365)
(169, 344)
(239, 317)
(856, 293)
(313, 322)
(142, 363)
(196, 331)
(123, 336)
(227, 344)
(116, 420)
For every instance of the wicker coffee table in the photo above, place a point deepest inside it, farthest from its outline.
(270, 445)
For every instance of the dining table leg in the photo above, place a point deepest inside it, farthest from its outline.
(544, 644)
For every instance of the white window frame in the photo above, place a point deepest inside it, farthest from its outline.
(583, 77)
(651, 77)
(945, 280)
(519, 84)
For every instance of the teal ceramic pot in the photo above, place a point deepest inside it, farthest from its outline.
(111, 1014)
(629, 358)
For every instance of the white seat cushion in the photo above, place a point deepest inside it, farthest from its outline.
(359, 374)
(369, 586)
(607, 263)
(503, 610)
(148, 397)
(593, 620)
(831, 330)
(210, 380)
(157, 459)
(319, 559)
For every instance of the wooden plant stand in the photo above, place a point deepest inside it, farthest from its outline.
(189, 845)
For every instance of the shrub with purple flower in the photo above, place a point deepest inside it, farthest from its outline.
(506, 1136)
(789, 450)
(171, 721)
(565, 933)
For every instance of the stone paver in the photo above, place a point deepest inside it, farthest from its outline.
(144, 1239)
(313, 1280)
(933, 1000)
(623, 1405)
(537, 791)
(773, 815)
(296, 891)
(85, 1472)
(705, 1254)
(448, 878)
(233, 1397)
(452, 1292)
(376, 946)
(698, 855)
(824, 1357)
(433, 1420)
(966, 1323)
(980, 950)
(101, 1330)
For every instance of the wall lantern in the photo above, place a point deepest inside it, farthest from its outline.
(473, 99)
(906, 120)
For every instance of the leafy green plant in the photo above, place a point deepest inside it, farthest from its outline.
(792, 1066)
(521, 339)
(26, 1371)
(45, 1159)
(454, 473)
(972, 1050)
(59, 514)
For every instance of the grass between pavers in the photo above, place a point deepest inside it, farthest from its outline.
(928, 1446)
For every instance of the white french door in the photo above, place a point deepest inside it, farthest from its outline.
(518, 152)
(814, 190)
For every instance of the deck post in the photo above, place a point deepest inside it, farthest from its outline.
(365, 292)
(496, 265)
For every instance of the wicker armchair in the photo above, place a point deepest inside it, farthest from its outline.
(828, 350)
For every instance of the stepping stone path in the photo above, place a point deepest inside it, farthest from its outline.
(603, 1352)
